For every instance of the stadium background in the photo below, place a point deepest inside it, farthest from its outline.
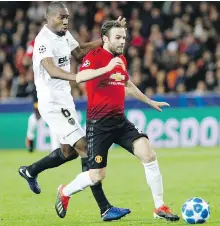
(173, 54)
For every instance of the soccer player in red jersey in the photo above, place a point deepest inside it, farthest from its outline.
(106, 122)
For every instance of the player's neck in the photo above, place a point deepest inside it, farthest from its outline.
(51, 29)
(107, 50)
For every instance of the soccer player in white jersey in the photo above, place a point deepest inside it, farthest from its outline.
(35, 118)
(53, 48)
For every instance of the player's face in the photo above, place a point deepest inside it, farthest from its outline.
(59, 21)
(116, 40)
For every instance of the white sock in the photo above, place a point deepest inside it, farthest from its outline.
(32, 125)
(81, 182)
(154, 180)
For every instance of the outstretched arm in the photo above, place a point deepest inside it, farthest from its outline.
(132, 90)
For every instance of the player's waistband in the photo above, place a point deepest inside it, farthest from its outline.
(107, 123)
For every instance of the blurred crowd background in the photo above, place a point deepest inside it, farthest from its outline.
(172, 47)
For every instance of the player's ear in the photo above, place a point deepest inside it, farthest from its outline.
(105, 38)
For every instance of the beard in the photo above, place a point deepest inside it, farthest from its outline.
(116, 52)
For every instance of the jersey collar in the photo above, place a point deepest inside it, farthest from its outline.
(52, 33)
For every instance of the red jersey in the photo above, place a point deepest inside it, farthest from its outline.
(30, 48)
(106, 93)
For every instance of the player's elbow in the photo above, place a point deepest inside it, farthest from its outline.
(78, 80)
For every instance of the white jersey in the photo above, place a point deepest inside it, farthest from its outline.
(53, 92)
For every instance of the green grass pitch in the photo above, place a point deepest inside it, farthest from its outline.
(186, 173)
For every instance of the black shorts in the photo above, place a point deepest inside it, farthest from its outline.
(99, 141)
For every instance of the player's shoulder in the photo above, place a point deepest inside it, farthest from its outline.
(91, 57)
(95, 52)
(43, 35)
(41, 38)
(123, 59)
(68, 34)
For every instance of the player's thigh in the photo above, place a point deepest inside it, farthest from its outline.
(143, 149)
(81, 147)
(98, 144)
(64, 123)
(127, 135)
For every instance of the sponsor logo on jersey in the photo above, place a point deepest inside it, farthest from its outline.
(62, 60)
(117, 77)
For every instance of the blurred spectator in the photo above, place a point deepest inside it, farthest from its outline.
(200, 89)
(210, 80)
(218, 80)
(173, 47)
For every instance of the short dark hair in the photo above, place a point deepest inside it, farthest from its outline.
(53, 6)
(106, 27)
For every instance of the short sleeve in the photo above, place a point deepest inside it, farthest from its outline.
(42, 49)
(89, 62)
(73, 44)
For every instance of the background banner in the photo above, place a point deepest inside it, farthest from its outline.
(174, 127)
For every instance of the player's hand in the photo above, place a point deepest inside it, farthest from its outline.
(122, 21)
(157, 105)
(113, 63)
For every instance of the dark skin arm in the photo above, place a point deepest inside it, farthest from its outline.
(79, 52)
(56, 72)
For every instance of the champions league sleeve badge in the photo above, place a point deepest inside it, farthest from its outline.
(42, 49)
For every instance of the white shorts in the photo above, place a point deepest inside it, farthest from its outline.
(64, 123)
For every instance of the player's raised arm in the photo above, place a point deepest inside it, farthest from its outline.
(56, 72)
(79, 52)
(88, 74)
(83, 48)
(133, 91)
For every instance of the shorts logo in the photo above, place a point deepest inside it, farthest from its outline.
(71, 121)
(98, 159)
(42, 49)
